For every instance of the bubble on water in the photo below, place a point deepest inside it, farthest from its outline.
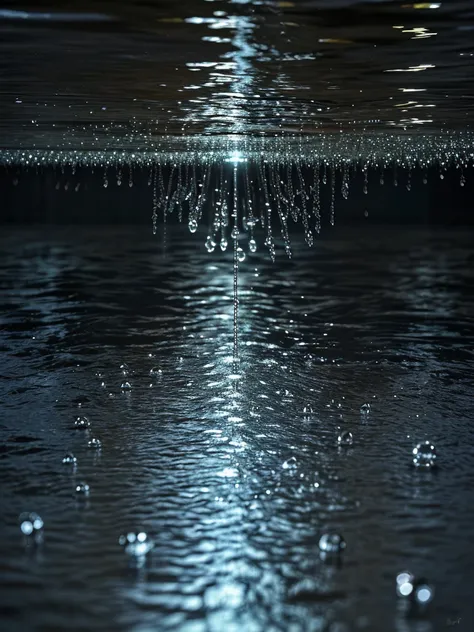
(290, 464)
(126, 386)
(31, 524)
(95, 444)
(308, 409)
(136, 544)
(210, 244)
(345, 438)
(69, 459)
(332, 543)
(365, 409)
(424, 455)
(405, 581)
(192, 225)
(253, 245)
(82, 423)
(240, 254)
(223, 244)
(82, 489)
(423, 592)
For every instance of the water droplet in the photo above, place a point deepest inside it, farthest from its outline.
(31, 524)
(223, 244)
(192, 225)
(82, 423)
(424, 455)
(136, 544)
(126, 386)
(235, 233)
(210, 244)
(69, 459)
(124, 369)
(332, 543)
(345, 438)
(290, 464)
(405, 581)
(365, 409)
(82, 489)
(253, 245)
(308, 409)
(423, 592)
(95, 444)
(240, 254)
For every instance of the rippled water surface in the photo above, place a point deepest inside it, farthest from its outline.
(219, 463)
(90, 75)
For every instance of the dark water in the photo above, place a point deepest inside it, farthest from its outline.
(88, 76)
(197, 458)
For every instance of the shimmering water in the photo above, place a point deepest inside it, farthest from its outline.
(235, 472)
(127, 73)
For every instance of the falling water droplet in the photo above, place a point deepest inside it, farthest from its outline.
(124, 369)
(253, 245)
(210, 244)
(240, 254)
(82, 489)
(332, 543)
(223, 244)
(424, 455)
(82, 423)
(95, 444)
(69, 459)
(31, 524)
(345, 438)
(136, 544)
(235, 233)
(192, 225)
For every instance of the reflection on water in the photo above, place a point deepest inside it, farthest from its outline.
(235, 476)
(134, 71)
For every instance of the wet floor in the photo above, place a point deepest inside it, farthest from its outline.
(235, 472)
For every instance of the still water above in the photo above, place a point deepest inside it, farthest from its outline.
(121, 356)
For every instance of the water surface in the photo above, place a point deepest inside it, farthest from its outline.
(218, 463)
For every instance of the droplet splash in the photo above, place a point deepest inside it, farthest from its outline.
(69, 459)
(365, 409)
(136, 544)
(82, 489)
(290, 464)
(82, 423)
(345, 438)
(332, 543)
(95, 444)
(126, 386)
(424, 455)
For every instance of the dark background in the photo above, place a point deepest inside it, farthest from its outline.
(51, 197)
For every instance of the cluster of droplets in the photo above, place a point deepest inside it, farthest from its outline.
(282, 179)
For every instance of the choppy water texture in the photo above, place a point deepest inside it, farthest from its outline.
(235, 472)
(122, 73)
